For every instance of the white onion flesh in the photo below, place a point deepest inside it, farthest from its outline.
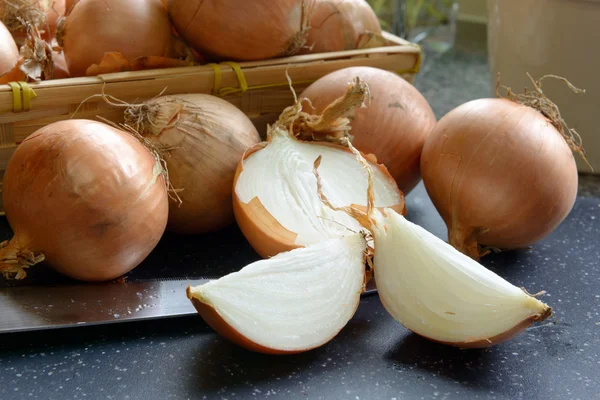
(438, 292)
(295, 301)
(281, 176)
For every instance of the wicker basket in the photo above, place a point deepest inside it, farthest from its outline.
(260, 89)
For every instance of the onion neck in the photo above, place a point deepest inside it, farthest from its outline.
(465, 241)
(15, 258)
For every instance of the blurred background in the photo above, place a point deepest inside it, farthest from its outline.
(467, 43)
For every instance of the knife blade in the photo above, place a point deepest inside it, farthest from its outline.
(31, 308)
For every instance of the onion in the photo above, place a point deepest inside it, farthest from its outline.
(134, 28)
(443, 295)
(393, 127)
(85, 196)
(205, 138)
(242, 30)
(337, 25)
(291, 303)
(276, 195)
(9, 58)
(61, 71)
(43, 14)
(500, 173)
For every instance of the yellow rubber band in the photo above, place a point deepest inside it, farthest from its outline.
(16, 95)
(28, 95)
(217, 72)
(22, 95)
(241, 79)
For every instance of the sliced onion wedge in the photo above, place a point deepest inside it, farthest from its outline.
(276, 201)
(291, 303)
(439, 293)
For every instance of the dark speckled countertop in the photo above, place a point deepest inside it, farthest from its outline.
(373, 357)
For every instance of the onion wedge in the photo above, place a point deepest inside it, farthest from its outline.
(291, 303)
(439, 293)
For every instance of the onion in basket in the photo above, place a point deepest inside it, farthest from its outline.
(337, 25)
(132, 29)
(393, 127)
(43, 14)
(9, 58)
(242, 30)
(276, 201)
(202, 139)
(88, 198)
(291, 303)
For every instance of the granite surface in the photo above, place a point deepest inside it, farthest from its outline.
(374, 357)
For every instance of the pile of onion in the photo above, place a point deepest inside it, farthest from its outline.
(393, 127)
(337, 25)
(242, 30)
(276, 197)
(9, 58)
(43, 14)
(132, 29)
(88, 198)
(202, 139)
(500, 172)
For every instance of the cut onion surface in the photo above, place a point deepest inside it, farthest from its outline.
(276, 202)
(439, 293)
(277, 199)
(291, 303)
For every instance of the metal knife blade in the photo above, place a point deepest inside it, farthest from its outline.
(31, 308)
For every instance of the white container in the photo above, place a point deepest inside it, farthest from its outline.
(560, 37)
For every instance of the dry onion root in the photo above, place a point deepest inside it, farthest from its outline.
(276, 202)
(393, 127)
(436, 291)
(291, 303)
(9, 58)
(501, 173)
(201, 138)
(88, 198)
(337, 25)
(132, 29)
(43, 14)
(242, 30)
(37, 56)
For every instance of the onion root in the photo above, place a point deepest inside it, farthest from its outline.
(14, 259)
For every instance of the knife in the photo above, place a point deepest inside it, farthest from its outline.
(31, 308)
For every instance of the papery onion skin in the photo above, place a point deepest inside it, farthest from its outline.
(242, 30)
(264, 233)
(134, 28)
(499, 174)
(205, 144)
(337, 25)
(89, 197)
(393, 126)
(9, 58)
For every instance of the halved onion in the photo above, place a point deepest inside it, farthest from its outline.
(291, 303)
(276, 202)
